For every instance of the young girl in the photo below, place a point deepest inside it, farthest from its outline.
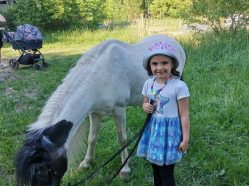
(166, 136)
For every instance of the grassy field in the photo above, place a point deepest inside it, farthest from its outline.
(217, 74)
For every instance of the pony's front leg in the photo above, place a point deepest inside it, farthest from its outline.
(95, 120)
(120, 120)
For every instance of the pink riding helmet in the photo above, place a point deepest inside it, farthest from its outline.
(160, 48)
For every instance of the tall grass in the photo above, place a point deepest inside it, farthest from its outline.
(217, 74)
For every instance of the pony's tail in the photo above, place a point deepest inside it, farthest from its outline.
(77, 145)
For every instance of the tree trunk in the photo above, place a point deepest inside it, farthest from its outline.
(9, 2)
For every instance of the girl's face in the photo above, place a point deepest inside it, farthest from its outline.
(161, 66)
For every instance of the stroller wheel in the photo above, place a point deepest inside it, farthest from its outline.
(45, 64)
(14, 63)
(38, 66)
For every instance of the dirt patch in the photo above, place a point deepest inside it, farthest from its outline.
(5, 70)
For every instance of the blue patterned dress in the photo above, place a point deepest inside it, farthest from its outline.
(163, 134)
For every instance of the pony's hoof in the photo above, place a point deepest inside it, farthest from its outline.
(84, 164)
(124, 173)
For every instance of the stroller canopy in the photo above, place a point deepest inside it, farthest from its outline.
(28, 32)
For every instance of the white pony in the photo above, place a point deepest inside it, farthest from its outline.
(105, 80)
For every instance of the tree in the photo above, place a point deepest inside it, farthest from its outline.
(45, 14)
(145, 7)
(114, 10)
(214, 12)
(172, 8)
(56, 14)
(132, 9)
(9, 2)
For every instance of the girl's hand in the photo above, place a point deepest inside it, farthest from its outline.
(148, 108)
(183, 146)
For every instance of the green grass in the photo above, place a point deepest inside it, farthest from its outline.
(217, 74)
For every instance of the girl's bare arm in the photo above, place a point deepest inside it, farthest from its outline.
(184, 117)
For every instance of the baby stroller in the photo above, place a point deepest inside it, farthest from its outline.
(27, 40)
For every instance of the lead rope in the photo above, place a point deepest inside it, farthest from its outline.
(139, 135)
(117, 153)
(136, 144)
(144, 126)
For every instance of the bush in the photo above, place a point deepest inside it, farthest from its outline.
(8, 13)
(214, 12)
(52, 15)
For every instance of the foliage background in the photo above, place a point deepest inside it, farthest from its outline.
(64, 14)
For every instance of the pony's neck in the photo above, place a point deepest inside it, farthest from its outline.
(74, 110)
(69, 101)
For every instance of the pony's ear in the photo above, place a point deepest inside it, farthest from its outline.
(58, 133)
